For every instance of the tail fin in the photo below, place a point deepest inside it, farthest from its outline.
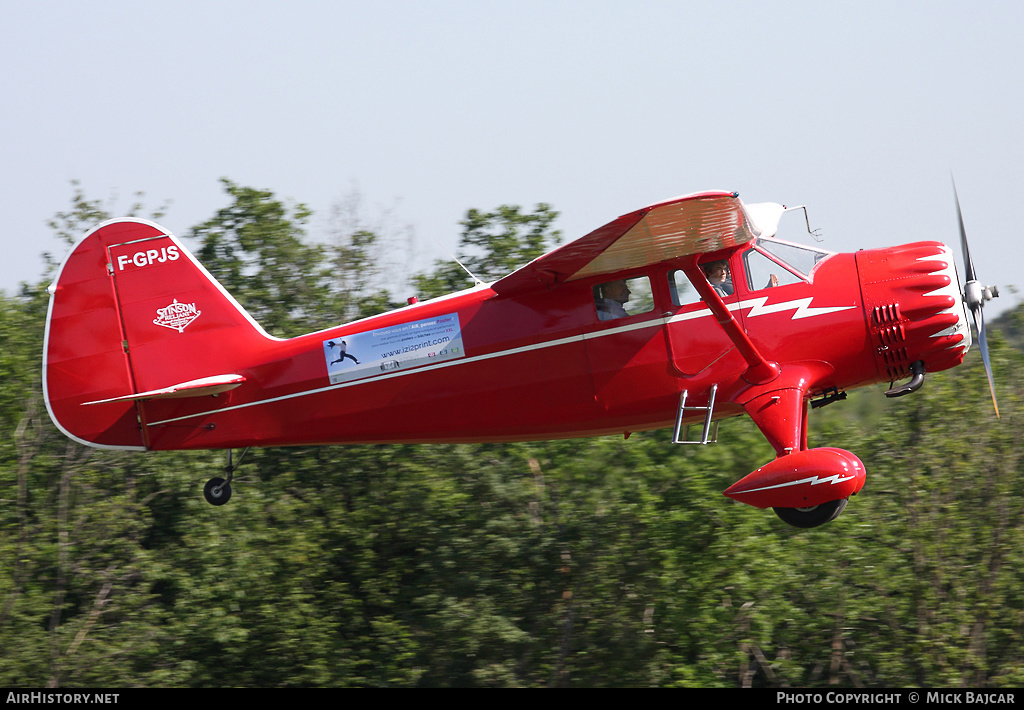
(133, 313)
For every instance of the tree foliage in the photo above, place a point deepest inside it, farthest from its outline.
(492, 245)
(256, 248)
(602, 562)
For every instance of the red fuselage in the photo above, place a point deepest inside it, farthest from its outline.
(543, 365)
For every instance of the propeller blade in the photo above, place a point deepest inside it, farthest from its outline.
(975, 296)
(968, 264)
(979, 322)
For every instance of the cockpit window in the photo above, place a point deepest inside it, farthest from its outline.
(776, 263)
(623, 297)
(799, 258)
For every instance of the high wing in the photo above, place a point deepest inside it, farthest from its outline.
(693, 224)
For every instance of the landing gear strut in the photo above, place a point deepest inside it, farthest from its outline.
(217, 490)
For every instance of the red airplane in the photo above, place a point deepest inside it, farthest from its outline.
(684, 312)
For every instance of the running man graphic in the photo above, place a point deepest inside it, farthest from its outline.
(342, 354)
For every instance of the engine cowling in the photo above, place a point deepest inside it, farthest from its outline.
(914, 308)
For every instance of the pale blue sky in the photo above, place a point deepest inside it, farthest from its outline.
(860, 110)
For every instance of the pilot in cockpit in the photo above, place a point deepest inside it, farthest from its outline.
(609, 299)
(718, 276)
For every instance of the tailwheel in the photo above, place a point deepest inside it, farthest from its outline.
(814, 516)
(217, 491)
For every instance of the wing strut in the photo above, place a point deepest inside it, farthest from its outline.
(760, 370)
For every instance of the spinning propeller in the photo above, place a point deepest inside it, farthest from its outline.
(975, 296)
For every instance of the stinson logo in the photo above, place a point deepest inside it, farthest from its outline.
(177, 315)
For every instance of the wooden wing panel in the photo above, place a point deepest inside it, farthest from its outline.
(694, 224)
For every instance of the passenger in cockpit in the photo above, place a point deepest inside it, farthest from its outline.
(718, 276)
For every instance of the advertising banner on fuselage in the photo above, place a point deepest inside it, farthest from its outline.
(375, 352)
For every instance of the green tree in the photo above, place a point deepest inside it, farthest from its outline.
(83, 214)
(492, 245)
(256, 248)
(364, 258)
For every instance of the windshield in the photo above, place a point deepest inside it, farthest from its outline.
(799, 259)
(776, 263)
(786, 248)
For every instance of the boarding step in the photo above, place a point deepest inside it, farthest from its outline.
(680, 435)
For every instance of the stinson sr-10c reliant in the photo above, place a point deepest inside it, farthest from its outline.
(681, 313)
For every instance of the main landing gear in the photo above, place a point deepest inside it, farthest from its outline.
(217, 490)
(813, 516)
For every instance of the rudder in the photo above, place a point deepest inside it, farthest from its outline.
(131, 311)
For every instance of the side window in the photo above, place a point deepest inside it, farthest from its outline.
(623, 297)
(683, 292)
(718, 275)
(763, 272)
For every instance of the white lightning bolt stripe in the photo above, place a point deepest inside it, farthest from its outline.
(802, 306)
(758, 307)
(813, 480)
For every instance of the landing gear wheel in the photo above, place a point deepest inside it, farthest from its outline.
(217, 491)
(814, 516)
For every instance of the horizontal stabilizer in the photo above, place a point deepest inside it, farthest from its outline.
(193, 388)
